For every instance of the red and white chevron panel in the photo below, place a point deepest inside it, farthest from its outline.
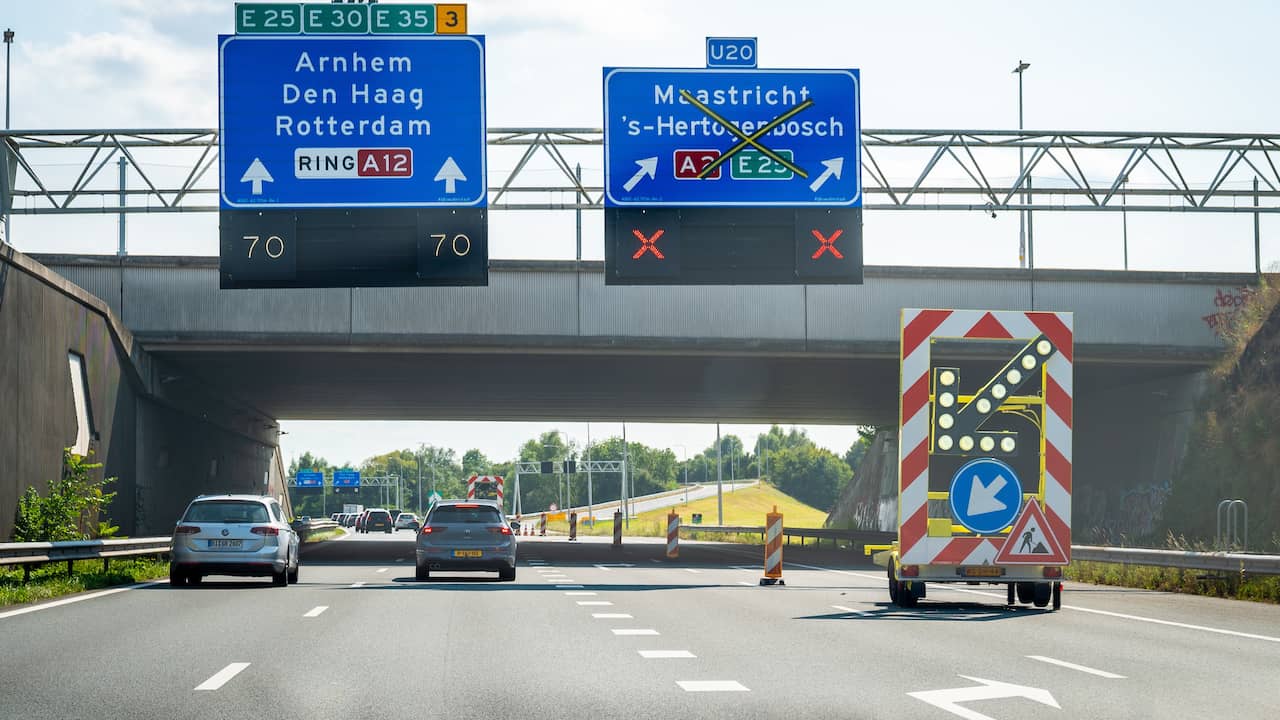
(918, 327)
(493, 481)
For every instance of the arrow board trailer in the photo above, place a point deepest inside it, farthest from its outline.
(984, 453)
(349, 161)
(732, 176)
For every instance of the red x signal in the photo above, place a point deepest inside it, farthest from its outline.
(828, 244)
(648, 244)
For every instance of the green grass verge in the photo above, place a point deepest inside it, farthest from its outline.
(322, 535)
(745, 506)
(1193, 582)
(51, 581)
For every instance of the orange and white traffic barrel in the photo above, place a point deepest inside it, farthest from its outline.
(617, 528)
(773, 549)
(673, 535)
(573, 526)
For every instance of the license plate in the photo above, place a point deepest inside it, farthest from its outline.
(225, 544)
(983, 572)
(468, 553)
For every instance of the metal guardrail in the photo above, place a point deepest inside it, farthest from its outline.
(1221, 561)
(818, 534)
(39, 553)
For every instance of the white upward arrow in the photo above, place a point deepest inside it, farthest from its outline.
(648, 166)
(257, 174)
(982, 498)
(988, 690)
(834, 167)
(450, 173)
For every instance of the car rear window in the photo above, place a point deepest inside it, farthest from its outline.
(451, 514)
(226, 511)
(379, 515)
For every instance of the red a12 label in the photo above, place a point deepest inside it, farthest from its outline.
(329, 163)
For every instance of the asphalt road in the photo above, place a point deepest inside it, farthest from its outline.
(588, 631)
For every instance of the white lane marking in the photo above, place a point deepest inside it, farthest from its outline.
(1108, 613)
(654, 560)
(399, 559)
(357, 584)
(569, 587)
(744, 582)
(382, 570)
(665, 654)
(634, 631)
(221, 677)
(315, 611)
(842, 608)
(594, 602)
(612, 616)
(580, 594)
(711, 686)
(1073, 666)
(78, 598)
(691, 570)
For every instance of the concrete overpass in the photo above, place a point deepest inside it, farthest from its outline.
(548, 340)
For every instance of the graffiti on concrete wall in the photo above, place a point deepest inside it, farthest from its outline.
(1226, 303)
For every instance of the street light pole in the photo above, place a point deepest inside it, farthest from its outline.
(8, 45)
(1022, 214)
(719, 480)
(685, 451)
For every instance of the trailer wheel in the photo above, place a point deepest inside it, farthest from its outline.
(1010, 600)
(1026, 592)
(893, 585)
(1043, 593)
(906, 595)
(1057, 596)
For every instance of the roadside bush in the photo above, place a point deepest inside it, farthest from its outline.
(71, 509)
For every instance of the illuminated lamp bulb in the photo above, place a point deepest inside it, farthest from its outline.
(945, 421)
(1043, 347)
(944, 442)
(984, 405)
(1007, 444)
(1029, 362)
(946, 399)
(966, 443)
(1013, 376)
(946, 377)
(987, 444)
(998, 391)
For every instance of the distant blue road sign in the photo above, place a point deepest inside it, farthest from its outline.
(985, 495)
(309, 479)
(730, 52)
(348, 121)
(693, 137)
(346, 478)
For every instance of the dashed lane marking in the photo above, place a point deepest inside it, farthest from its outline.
(612, 616)
(842, 608)
(221, 677)
(580, 594)
(382, 570)
(691, 570)
(665, 654)
(315, 611)
(1073, 666)
(597, 603)
(711, 686)
(744, 582)
(357, 584)
(634, 631)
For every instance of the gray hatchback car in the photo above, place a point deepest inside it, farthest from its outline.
(233, 535)
(461, 535)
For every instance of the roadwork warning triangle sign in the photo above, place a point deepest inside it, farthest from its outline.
(1030, 542)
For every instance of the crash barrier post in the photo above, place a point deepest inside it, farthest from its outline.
(773, 549)
(542, 524)
(573, 526)
(673, 535)
(617, 528)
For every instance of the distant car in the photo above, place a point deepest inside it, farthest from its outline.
(378, 519)
(407, 521)
(347, 519)
(461, 535)
(334, 516)
(244, 535)
(360, 521)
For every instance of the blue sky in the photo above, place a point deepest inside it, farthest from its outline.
(1138, 66)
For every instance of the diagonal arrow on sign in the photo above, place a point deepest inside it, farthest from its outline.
(834, 166)
(648, 166)
(982, 498)
(948, 699)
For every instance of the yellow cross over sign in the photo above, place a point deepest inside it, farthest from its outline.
(748, 139)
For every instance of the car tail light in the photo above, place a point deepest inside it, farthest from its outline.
(186, 530)
(265, 530)
(909, 571)
(1053, 572)
(468, 506)
(500, 530)
(428, 530)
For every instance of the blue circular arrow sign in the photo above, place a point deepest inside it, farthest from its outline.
(985, 495)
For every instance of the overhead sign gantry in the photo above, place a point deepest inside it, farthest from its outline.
(352, 147)
(732, 175)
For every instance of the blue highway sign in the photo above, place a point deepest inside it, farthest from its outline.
(715, 137)
(309, 479)
(349, 121)
(985, 495)
(346, 478)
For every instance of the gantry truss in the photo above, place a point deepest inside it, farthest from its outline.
(153, 171)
